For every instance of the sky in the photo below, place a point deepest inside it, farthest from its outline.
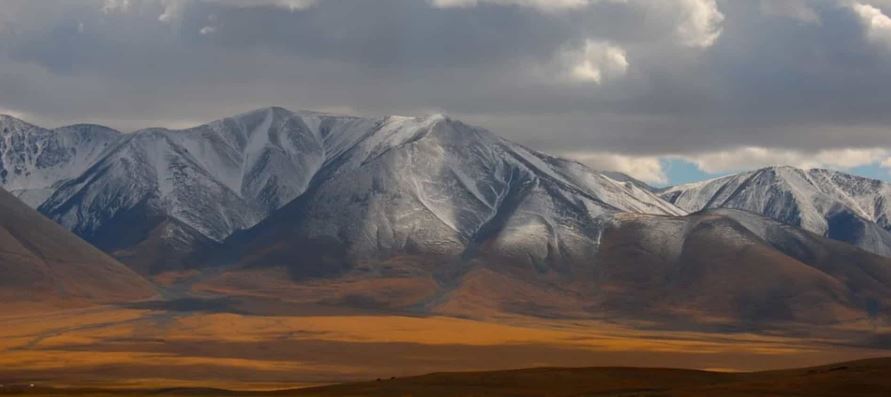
(668, 91)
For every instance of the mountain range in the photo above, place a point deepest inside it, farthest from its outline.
(480, 219)
(155, 196)
(843, 207)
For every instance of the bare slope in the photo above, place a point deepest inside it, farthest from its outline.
(42, 263)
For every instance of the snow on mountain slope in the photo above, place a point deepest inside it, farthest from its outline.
(197, 184)
(149, 169)
(434, 185)
(829, 203)
(34, 161)
(200, 185)
(619, 190)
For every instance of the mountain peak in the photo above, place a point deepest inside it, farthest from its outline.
(786, 167)
(7, 121)
(276, 112)
(779, 169)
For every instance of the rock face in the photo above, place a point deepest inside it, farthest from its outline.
(42, 263)
(156, 196)
(833, 204)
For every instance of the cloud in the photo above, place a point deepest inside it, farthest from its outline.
(112, 6)
(651, 169)
(638, 79)
(755, 157)
(795, 9)
(645, 168)
(546, 5)
(597, 60)
(292, 5)
(874, 21)
(700, 23)
(172, 10)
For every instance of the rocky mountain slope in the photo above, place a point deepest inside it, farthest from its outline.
(155, 196)
(35, 161)
(438, 186)
(830, 203)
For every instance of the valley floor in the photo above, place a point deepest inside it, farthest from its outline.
(864, 378)
(197, 345)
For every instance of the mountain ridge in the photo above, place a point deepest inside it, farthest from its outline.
(195, 188)
(831, 203)
(454, 219)
(256, 162)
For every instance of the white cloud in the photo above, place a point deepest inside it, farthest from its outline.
(292, 5)
(171, 10)
(645, 168)
(700, 23)
(650, 168)
(876, 24)
(207, 30)
(747, 158)
(111, 6)
(794, 9)
(545, 5)
(596, 61)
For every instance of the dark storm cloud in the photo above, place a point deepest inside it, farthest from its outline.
(634, 77)
(394, 34)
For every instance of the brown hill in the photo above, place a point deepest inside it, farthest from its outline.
(861, 378)
(722, 267)
(729, 265)
(41, 263)
(864, 378)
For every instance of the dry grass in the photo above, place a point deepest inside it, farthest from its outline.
(127, 348)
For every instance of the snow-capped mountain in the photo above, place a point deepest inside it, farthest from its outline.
(35, 161)
(830, 203)
(174, 191)
(444, 204)
(437, 186)
(191, 188)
